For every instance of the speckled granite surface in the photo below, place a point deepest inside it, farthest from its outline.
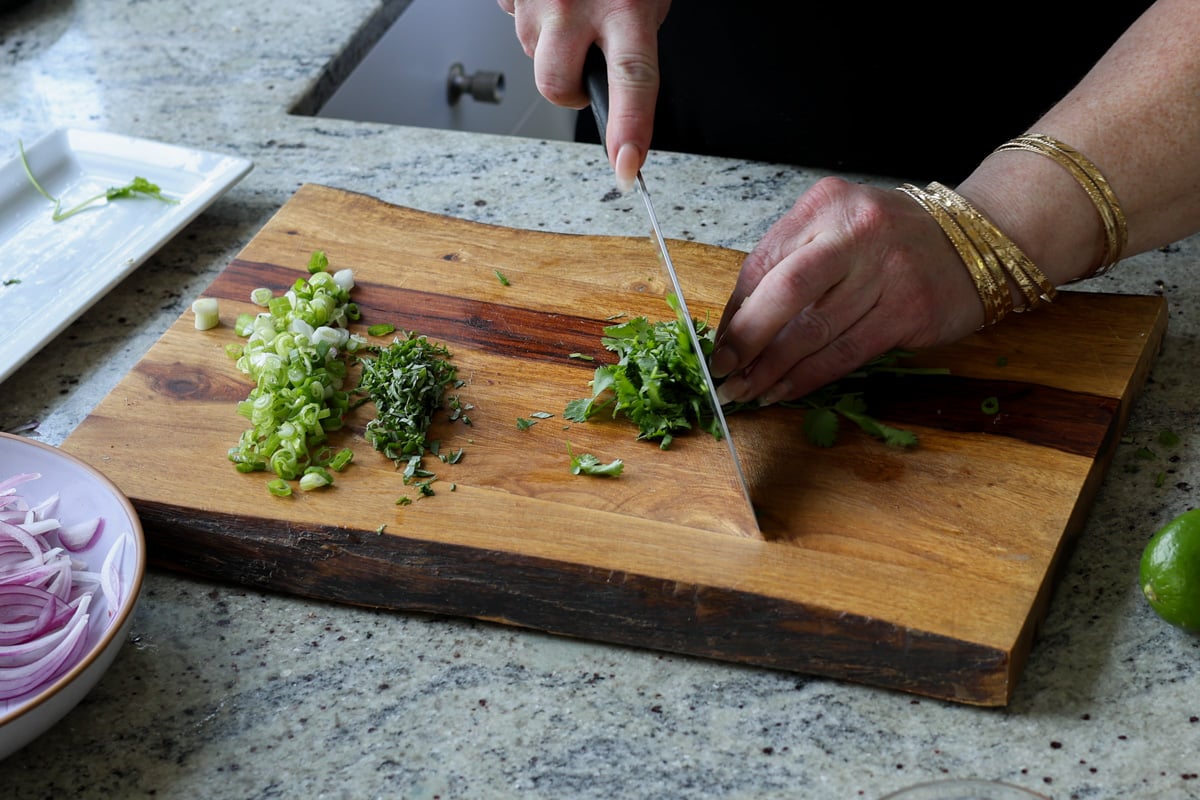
(224, 692)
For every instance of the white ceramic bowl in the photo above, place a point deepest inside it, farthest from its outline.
(954, 789)
(83, 493)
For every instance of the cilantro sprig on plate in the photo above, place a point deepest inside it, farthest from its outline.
(137, 186)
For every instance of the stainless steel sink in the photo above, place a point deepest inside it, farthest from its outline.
(450, 64)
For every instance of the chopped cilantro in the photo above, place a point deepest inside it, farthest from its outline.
(657, 383)
(407, 381)
(588, 464)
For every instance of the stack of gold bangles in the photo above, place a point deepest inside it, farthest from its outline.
(991, 258)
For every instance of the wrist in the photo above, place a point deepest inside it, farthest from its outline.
(1041, 207)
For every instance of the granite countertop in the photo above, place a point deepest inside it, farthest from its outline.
(226, 692)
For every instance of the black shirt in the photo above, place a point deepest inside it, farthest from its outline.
(922, 91)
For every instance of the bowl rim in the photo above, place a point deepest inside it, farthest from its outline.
(964, 783)
(128, 603)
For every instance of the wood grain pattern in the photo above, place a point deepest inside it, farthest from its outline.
(924, 570)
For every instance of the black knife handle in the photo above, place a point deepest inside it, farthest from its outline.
(595, 78)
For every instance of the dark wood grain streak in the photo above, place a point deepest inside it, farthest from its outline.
(1072, 422)
(1068, 421)
(393, 572)
(182, 381)
(509, 331)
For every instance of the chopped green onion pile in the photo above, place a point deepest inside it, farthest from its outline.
(296, 351)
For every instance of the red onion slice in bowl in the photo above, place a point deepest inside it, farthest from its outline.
(78, 536)
(101, 581)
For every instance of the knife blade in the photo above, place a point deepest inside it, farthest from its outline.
(595, 72)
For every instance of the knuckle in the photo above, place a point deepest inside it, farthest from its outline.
(794, 286)
(860, 213)
(636, 70)
(814, 329)
(554, 88)
(867, 217)
(853, 351)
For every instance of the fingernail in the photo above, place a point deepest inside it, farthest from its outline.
(775, 394)
(722, 362)
(730, 390)
(627, 166)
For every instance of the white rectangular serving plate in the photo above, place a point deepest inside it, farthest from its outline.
(51, 272)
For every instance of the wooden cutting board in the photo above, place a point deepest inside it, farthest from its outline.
(923, 570)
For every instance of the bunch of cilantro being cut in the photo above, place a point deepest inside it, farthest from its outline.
(826, 407)
(657, 384)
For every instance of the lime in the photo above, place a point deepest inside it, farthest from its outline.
(1169, 572)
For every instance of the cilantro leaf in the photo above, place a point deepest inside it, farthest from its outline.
(588, 464)
(821, 426)
(579, 410)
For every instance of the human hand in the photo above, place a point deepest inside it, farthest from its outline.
(556, 34)
(850, 272)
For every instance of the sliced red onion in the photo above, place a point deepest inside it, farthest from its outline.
(46, 508)
(110, 574)
(38, 527)
(9, 485)
(47, 575)
(22, 537)
(20, 655)
(46, 593)
(18, 680)
(80, 535)
(27, 611)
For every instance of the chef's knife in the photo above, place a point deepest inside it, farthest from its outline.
(595, 74)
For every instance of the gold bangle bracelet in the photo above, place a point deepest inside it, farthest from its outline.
(995, 296)
(986, 252)
(1089, 177)
(1032, 282)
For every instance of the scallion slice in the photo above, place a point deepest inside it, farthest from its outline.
(207, 312)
